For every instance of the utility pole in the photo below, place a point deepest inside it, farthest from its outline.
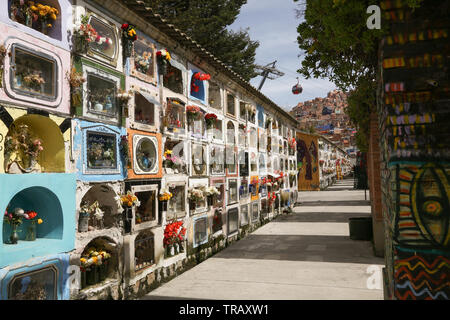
(268, 71)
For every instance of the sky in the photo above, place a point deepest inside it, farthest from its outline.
(274, 24)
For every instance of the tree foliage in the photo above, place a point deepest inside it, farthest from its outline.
(338, 45)
(206, 22)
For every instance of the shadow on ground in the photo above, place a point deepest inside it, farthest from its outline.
(346, 203)
(340, 249)
(321, 217)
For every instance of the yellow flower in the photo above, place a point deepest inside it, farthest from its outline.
(94, 259)
(53, 16)
(49, 25)
(39, 221)
(34, 8)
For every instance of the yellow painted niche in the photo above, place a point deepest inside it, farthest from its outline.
(52, 158)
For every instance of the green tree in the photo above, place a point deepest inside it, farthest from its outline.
(206, 22)
(339, 46)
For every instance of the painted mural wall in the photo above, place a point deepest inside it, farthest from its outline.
(414, 115)
(308, 162)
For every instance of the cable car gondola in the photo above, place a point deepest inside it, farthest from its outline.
(297, 89)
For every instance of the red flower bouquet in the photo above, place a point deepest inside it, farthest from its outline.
(173, 233)
(210, 119)
(193, 112)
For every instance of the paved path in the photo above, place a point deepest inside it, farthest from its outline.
(306, 255)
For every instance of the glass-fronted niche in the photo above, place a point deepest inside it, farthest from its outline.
(174, 157)
(255, 211)
(175, 119)
(33, 74)
(173, 79)
(144, 250)
(46, 19)
(242, 135)
(198, 160)
(101, 150)
(244, 215)
(243, 163)
(243, 189)
(217, 160)
(105, 46)
(143, 64)
(264, 208)
(218, 200)
(200, 231)
(176, 206)
(100, 92)
(232, 191)
(145, 154)
(101, 95)
(233, 221)
(231, 105)
(146, 111)
(41, 284)
(197, 124)
(231, 160)
(146, 215)
(242, 111)
(215, 96)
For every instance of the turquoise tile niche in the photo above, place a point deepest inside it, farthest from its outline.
(52, 196)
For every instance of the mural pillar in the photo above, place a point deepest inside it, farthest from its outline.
(414, 116)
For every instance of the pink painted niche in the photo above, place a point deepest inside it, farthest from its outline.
(34, 73)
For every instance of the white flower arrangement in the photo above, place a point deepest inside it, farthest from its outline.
(196, 194)
(210, 191)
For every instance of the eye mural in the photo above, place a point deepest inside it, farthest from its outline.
(424, 212)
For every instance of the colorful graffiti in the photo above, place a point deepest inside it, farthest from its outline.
(308, 158)
(423, 217)
(421, 275)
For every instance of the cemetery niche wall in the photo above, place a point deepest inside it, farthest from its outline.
(110, 116)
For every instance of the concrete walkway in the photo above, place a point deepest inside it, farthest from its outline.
(305, 255)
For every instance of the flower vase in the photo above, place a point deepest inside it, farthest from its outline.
(44, 27)
(83, 224)
(162, 67)
(81, 45)
(83, 278)
(192, 204)
(128, 217)
(175, 249)
(169, 251)
(180, 247)
(29, 20)
(103, 270)
(14, 238)
(31, 234)
(127, 48)
(91, 275)
(210, 200)
(164, 205)
(76, 97)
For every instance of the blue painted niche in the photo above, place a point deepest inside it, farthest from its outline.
(260, 110)
(50, 272)
(80, 142)
(200, 94)
(52, 196)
